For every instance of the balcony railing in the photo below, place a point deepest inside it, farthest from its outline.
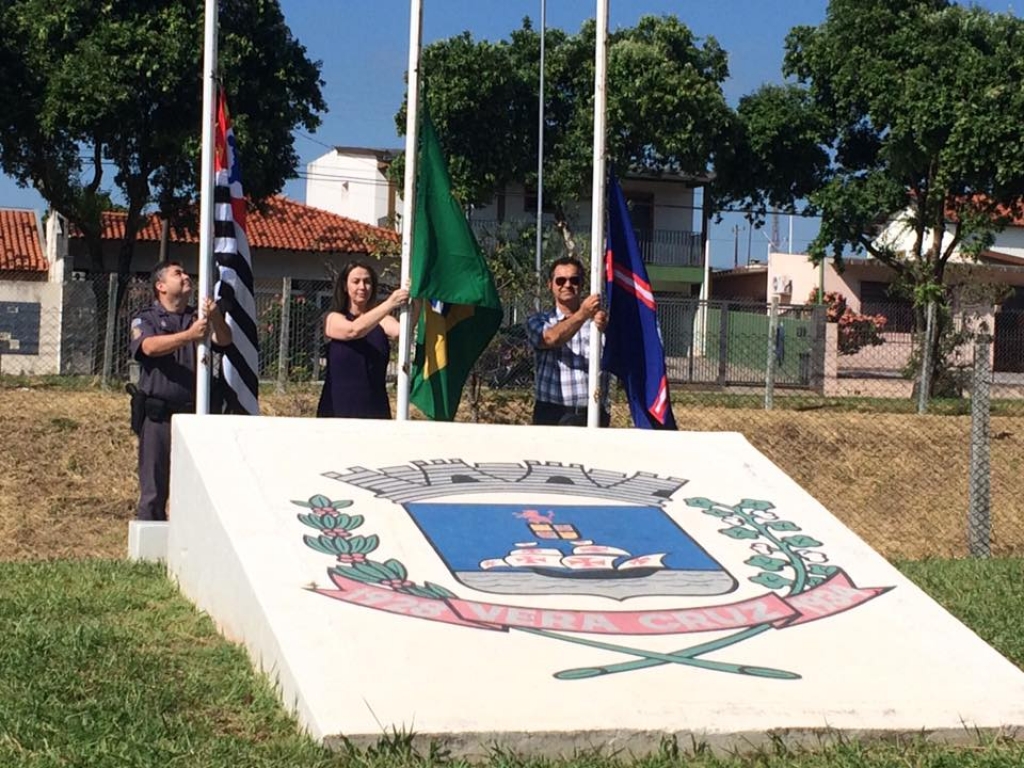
(664, 247)
(670, 247)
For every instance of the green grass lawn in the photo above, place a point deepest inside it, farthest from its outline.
(103, 663)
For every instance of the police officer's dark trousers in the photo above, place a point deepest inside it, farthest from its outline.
(154, 469)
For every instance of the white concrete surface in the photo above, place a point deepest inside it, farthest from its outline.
(733, 644)
(147, 540)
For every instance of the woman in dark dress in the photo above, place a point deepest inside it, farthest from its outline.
(358, 328)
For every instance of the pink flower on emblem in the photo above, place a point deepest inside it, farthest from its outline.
(356, 558)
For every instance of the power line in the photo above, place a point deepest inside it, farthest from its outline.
(317, 176)
(752, 211)
(302, 135)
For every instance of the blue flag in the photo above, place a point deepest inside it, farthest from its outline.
(633, 349)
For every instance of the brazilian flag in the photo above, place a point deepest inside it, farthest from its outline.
(461, 310)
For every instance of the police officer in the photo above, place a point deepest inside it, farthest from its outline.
(163, 341)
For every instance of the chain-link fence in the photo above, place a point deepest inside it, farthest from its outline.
(907, 423)
(914, 438)
(81, 327)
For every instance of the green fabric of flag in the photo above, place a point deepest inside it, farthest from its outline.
(461, 309)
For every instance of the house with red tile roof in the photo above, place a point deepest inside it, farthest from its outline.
(21, 246)
(286, 239)
(31, 297)
(48, 306)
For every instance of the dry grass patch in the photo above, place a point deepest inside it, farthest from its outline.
(68, 483)
(899, 481)
(67, 473)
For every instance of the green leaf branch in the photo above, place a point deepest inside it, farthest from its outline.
(335, 536)
(782, 561)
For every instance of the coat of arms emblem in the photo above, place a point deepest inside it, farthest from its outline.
(546, 529)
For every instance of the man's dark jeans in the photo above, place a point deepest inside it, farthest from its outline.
(555, 415)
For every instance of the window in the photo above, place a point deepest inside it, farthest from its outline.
(641, 211)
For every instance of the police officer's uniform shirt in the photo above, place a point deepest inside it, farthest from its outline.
(170, 377)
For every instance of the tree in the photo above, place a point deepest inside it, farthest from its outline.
(118, 85)
(666, 110)
(902, 111)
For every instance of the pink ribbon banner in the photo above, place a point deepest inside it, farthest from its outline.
(835, 595)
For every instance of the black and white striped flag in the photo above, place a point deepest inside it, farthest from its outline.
(234, 290)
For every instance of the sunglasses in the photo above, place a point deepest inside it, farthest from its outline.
(574, 280)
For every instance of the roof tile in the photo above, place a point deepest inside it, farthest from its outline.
(20, 249)
(285, 225)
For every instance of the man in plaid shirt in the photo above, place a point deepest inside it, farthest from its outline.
(561, 342)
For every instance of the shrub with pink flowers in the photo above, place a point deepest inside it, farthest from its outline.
(856, 331)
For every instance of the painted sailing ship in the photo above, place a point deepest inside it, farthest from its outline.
(583, 560)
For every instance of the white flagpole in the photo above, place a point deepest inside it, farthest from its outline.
(540, 157)
(598, 209)
(409, 199)
(206, 199)
(699, 346)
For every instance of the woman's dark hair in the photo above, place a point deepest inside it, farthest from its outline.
(340, 301)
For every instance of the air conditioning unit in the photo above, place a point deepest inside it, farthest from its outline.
(782, 284)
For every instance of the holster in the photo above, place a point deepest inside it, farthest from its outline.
(153, 408)
(138, 406)
(156, 409)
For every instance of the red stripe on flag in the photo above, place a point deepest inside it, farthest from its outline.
(238, 211)
(224, 159)
(660, 404)
(635, 286)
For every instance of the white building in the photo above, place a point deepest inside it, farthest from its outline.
(670, 226)
(353, 182)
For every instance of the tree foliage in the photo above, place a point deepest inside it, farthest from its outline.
(902, 110)
(666, 110)
(777, 155)
(116, 87)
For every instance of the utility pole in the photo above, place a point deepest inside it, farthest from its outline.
(735, 246)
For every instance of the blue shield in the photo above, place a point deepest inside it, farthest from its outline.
(559, 549)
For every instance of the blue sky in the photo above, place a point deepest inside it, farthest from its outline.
(365, 56)
(363, 45)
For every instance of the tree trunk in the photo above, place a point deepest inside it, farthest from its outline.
(126, 252)
(165, 235)
(100, 292)
(943, 381)
(124, 269)
(565, 229)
